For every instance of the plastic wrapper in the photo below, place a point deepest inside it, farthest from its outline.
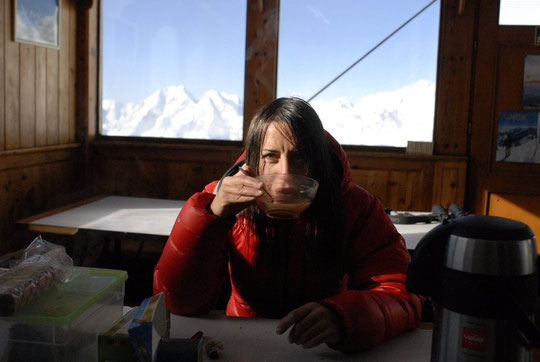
(31, 275)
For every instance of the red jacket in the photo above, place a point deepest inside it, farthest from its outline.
(372, 302)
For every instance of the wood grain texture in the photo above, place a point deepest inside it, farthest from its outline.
(521, 207)
(498, 86)
(12, 83)
(63, 77)
(261, 56)
(52, 96)
(28, 95)
(455, 67)
(72, 31)
(3, 34)
(41, 96)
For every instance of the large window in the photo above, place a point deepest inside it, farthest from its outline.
(367, 67)
(173, 68)
(176, 68)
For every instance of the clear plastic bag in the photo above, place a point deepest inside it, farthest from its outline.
(31, 275)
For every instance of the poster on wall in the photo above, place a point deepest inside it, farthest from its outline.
(518, 137)
(531, 82)
(37, 22)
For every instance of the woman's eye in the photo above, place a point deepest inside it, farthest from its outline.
(270, 157)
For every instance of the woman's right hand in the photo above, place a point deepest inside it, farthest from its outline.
(236, 193)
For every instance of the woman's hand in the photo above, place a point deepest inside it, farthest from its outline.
(312, 324)
(236, 193)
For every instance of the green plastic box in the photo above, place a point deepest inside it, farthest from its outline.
(63, 324)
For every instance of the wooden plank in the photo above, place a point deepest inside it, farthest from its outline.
(52, 96)
(449, 183)
(28, 95)
(72, 33)
(261, 56)
(11, 66)
(455, 63)
(48, 229)
(63, 76)
(3, 35)
(93, 43)
(37, 156)
(41, 96)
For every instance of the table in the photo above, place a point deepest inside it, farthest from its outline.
(114, 214)
(255, 339)
(121, 216)
(112, 217)
(413, 233)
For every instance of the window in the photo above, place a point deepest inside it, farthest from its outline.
(519, 12)
(173, 69)
(388, 96)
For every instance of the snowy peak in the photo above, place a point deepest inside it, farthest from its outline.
(173, 113)
(386, 118)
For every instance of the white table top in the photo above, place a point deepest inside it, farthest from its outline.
(140, 215)
(119, 214)
(255, 339)
(413, 233)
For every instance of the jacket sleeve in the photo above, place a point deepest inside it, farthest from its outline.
(376, 305)
(193, 265)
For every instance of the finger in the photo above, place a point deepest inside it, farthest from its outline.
(320, 338)
(293, 317)
(241, 178)
(241, 191)
(302, 327)
(312, 333)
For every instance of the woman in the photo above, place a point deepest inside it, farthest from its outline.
(336, 274)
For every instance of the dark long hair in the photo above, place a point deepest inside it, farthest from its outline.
(296, 119)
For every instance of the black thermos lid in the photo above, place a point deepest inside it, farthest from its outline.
(491, 228)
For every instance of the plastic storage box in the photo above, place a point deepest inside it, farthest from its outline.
(63, 324)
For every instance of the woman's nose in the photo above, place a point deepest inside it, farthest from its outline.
(285, 166)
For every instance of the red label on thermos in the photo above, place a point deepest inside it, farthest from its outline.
(474, 339)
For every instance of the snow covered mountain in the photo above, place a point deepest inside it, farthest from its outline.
(172, 112)
(389, 118)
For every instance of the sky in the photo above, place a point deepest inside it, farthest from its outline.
(149, 45)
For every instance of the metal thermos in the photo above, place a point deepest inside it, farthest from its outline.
(480, 272)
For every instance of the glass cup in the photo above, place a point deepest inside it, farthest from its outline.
(286, 196)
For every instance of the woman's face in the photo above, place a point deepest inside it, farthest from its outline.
(278, 154)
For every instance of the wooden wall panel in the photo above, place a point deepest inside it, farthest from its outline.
(63, 79)
(521, 207)
(187, 178)
(37, 85)
(11, 95)
(52, 96)
(39, 184)
(161, 171)
(449, 183)
(455, 68)
(2, 76)
(28, 95)
(411, 183)
(262, 30)
(72, 14)
(41, 96)
(498, 86)
(37, 121)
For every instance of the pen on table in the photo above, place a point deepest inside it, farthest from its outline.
(197, 335)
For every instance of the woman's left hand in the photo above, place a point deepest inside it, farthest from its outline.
(312, 324)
